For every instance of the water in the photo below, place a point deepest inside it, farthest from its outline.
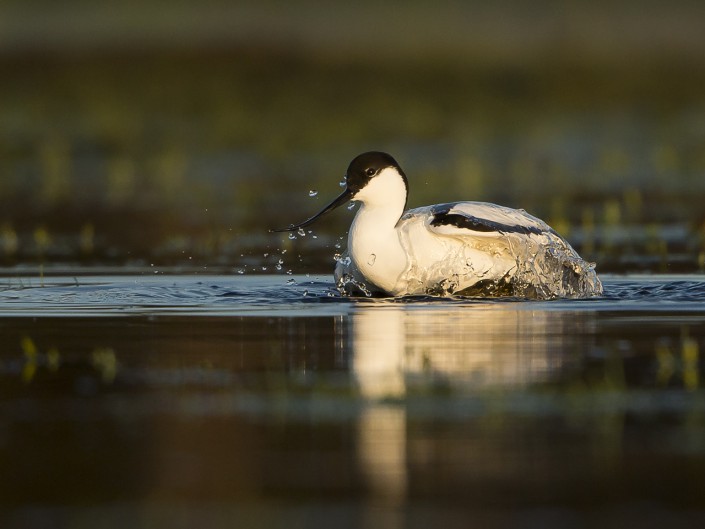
(258, 401)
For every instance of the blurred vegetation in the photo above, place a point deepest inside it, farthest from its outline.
(184, 153)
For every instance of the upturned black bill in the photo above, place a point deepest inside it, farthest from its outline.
(342, 199)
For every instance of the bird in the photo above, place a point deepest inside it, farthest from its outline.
(473, 249)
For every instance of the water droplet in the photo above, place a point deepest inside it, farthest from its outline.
(372, 259)
(283, 251)
(305, 293)
(289, 272)
(264, 269)
(312, 193)
(337, 246)
(278, 267)
(281, 261)
(343, 182)
(265, 255)
(314, 236)
(351, 205)
(345, 261)
(292, 236)
(291, 281)
(301, 232)
(240, 271)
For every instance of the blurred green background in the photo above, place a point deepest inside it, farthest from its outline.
(173, 134)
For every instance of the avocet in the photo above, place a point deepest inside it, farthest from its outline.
(458, 248)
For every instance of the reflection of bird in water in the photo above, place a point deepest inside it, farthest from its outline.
(469, 248)
(400, 352)
(496, 346)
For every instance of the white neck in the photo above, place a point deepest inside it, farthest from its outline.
(373, 242)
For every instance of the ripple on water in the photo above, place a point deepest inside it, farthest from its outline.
(240, 295)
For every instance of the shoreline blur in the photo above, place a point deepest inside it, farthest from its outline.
(136, 136)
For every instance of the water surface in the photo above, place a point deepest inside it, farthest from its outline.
(270, 401)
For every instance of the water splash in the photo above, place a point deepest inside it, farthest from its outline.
(312, 193)
(343, 260)
(347, 285)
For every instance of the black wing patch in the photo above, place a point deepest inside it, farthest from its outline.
(443, 217)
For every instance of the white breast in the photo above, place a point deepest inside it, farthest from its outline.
(375, 252)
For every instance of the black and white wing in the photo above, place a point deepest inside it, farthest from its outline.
(480, 219)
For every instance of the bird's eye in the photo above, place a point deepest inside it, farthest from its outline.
(370, 171)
